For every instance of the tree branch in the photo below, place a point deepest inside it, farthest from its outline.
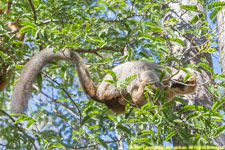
(68, 95)
(34, 11)
(95, 145)
(82, 50)
(9, 4)
(19, 128)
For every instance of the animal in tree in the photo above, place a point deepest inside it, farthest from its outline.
(105, 92)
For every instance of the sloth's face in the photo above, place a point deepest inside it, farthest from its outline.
(178, 86)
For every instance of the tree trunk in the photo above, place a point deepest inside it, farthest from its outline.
(202, 96)
(221, 40)
(221, 36)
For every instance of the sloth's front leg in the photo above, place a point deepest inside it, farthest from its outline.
(137, 93)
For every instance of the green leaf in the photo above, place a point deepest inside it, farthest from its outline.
(214, 13)
(187, 77)
(162, 75)
(3, 55)
(30, 122)
(109, 81)
(209, 50)
(160, 39)
(207, 67)
(126, 82)
(146, 106)
(100, 141)
(145, 132)
(190, 7)
(157, 95)
(186, 108)
(123, 128)
(184, 135)
(130, 78)
(23, 118)
(63, 100)
(168, 104)
(112, 118)
(86, 118)
(57, 145)
(142, 140)
(149, 23)
(178, 121)
(28, 23)
(217, 105)
(170, 135)
(39, 80)
(219, 131)
(201, 108)
(197, 139)
(214, 5)
(113, 74)
(156, 29)
(99, 7)
(192, 115)
(94, 127)
(196, 18)
(145, 35)
(19, 67)
(26, 29)
(178, 41)
(201, 2)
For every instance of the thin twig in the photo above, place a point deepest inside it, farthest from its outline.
(82, 50)
(95, 145)
(19, 128)
(63, 105)
(68, 95)
(122, 19)
(10, 32)
(34, 11)
(9, 4)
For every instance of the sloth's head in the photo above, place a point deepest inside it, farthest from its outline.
(179, 87)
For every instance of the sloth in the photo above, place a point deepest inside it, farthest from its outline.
(114, 98)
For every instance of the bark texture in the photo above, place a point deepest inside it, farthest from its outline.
(221, 36)
(202, 96)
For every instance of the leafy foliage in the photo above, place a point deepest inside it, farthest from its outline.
(215, 4)
(190, 7)
(61, 116)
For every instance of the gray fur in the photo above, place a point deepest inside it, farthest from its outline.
(105, 93)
